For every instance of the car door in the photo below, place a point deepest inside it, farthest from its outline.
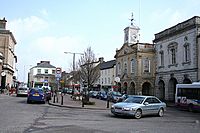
(155, 103)
(147, 107)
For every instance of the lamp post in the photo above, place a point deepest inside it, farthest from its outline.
(74, 54)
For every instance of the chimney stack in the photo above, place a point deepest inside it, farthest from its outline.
(101, 59)
(3, 24)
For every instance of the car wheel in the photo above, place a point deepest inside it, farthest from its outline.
(161, 112)
(138, 114)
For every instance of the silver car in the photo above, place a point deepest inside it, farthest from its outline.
(137, 106)
(22, 91)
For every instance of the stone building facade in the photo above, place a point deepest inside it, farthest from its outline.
(135, 64)
(7, 51)
(177, 56)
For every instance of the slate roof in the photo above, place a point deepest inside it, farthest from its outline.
(45, 65)
(107, 65)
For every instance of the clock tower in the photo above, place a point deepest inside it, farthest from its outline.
(131, 33)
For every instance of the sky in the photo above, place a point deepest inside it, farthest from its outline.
(45, 29)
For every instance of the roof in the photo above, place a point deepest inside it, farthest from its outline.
(44, 64)
(180, 27)
(107, 65)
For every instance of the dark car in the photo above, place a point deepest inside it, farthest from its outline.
(64, 90)
(36, 95)
(48, 93)
(69, 91)
(123, 97)
(101, 95)
(114, 96)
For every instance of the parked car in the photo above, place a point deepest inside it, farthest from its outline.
(114, 96)
(36, 95)
(76, 95)
(93, 94)
(138, 106)
(64, 90)
(22, 91)
(102, 95)
(69, 91)
(123, 97)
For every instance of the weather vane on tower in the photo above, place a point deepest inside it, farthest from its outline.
(132, 18)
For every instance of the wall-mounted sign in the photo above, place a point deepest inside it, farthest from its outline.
(117, 79)
(3, 73)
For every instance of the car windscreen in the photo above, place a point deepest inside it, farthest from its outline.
(117, 93)
(36, 91)
(22, 88)
(134, 100)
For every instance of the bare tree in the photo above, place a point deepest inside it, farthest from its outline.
(89, 68)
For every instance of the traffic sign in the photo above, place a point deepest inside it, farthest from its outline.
(58, 72)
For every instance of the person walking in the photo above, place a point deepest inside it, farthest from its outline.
(8, 89)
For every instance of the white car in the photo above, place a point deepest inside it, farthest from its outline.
(22, 91)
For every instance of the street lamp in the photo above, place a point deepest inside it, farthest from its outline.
(73, 58)
(73, 65)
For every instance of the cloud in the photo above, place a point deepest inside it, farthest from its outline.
(175, 18)
(53, 44)
(52, 48)
(169, 17)
(23, 27)
(44, 12)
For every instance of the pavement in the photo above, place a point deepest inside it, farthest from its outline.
(68, 102)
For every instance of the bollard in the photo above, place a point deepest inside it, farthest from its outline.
(61, 99)
(54, 97)
(108, 103)
(82, 102)
(57, 98)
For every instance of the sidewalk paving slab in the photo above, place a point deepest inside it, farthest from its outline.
(70, 103)
(99, 104)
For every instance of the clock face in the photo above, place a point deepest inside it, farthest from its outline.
(133, 37)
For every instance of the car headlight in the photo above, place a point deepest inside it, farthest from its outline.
(112, 106)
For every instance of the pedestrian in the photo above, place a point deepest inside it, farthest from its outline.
(8, 88)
